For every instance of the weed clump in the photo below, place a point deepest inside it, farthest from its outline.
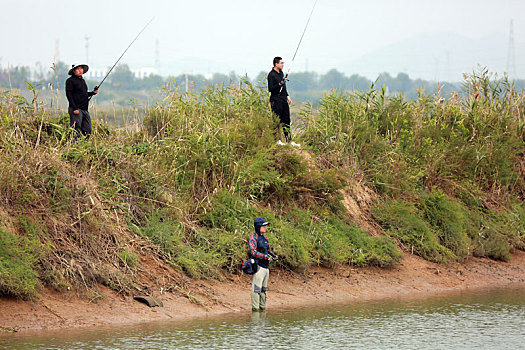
(19, 257)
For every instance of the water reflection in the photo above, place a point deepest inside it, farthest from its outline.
(483, 319)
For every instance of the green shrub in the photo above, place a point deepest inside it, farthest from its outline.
(494, 235)
(449, 220)
(230, 212)
(491, 244)
(331, 241)
(403, 222)
(518, 221)
(290, 243)
(165, 232)
(19, 257)
(199, 263)
(262, 178)
(230, 218)
(405, 146)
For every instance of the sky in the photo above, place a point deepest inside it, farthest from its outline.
(207, 36)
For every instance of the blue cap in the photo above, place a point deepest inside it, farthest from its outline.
(258, 223)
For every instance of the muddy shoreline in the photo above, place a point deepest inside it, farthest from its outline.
(413, 277)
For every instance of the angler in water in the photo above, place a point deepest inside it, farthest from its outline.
(78, 97)
(260, 251)
(279, 99)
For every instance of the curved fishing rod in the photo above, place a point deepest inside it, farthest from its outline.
(127, 48)
(298, 45)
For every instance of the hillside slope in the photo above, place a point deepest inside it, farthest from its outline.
(140, 211)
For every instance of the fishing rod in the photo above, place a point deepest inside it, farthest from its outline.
(289, 269)
(127, 48)
(298, 45)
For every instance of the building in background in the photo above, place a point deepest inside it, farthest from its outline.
(98, 74)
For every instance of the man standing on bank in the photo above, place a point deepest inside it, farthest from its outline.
(78, 97)
(260, 251)
(279, 99)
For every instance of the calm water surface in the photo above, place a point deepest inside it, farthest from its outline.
(475, 320)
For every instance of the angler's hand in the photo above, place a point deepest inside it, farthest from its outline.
(275, 258)
(95, 90)
(289, 100)
(76, 111)
(283, 82)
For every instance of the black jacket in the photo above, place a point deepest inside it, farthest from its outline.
(274, 80)
(77, 93)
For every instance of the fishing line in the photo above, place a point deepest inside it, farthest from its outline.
(300, 41)
(111, 69)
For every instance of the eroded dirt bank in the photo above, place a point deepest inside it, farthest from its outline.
(414, 276)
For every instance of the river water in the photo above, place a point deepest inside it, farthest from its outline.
(483, 319)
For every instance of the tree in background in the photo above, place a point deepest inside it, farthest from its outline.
(333, 79)
(152, 82)
(123, 77)
(304, 81)
(305, 86)
(14, 77)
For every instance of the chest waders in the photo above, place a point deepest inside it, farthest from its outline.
(260, 278)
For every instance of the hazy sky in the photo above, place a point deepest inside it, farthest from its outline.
(204, 36)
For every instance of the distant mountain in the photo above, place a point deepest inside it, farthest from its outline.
(443, 56)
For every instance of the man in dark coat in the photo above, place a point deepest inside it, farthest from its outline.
(78, 97)
(279, 99)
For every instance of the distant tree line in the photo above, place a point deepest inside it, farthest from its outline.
(303, 85)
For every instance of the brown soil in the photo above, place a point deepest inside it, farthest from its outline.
(412, 277)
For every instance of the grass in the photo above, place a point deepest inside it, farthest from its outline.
(185, 187)
(19, 257)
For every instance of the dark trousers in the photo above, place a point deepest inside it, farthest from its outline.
(80, 122)
(282, 109)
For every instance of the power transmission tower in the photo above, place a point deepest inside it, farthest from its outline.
(87, 48)
(511, 54)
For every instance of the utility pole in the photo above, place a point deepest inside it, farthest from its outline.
(87, 48)
(157, 56)
(511, 54)
(57, 50)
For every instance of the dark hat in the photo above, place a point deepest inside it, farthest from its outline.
(73, 66)
(258, 223)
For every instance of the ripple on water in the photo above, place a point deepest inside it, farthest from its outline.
(480, 320)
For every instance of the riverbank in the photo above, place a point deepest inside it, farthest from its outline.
(413, 277)
(167, 209)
